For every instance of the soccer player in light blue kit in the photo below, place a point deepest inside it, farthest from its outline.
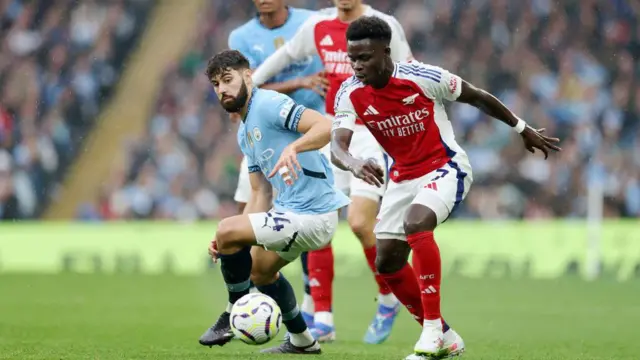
(280, 139)
(257, 39)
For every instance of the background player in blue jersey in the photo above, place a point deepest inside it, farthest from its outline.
(257, 39)
(280, 139)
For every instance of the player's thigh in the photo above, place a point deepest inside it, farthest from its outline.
(243, 190)
(315, 232)
(274, 230)
(392, 255)
(362, 214)
(440, 192)
(393, 208)
(234, 232)
(266, 265)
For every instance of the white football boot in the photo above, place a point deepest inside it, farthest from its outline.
(452, 345)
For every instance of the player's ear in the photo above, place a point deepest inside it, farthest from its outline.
(387, 50)
(246, 75)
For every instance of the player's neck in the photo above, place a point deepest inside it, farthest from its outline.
(245, 109)
(385, 77)
(274, 19)
(353, 14)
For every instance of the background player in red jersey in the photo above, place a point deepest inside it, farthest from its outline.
(324, 35)
(402, 105)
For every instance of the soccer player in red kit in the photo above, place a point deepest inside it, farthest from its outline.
(324, 35)
(402, 105)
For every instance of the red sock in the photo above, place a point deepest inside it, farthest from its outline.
(405, 287)
(320, 264)
(370, 254)
(428, 270)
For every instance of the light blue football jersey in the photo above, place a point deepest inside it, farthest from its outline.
(271, 125)
(257, 43)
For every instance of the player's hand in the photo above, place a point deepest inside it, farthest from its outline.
(368, 171)
(213, 250)
(289, 163)
(316, 82)
(534, 139)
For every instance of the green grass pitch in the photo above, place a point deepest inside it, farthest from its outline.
(161, 317)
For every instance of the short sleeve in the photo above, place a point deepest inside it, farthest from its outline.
(236, 42)
(345, 113)
(303, 44)
(437, 82)
(251, 164)
(286, 113)
(400, 49)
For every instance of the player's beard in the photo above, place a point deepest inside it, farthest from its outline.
(238, 101)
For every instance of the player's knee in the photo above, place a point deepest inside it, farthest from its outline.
(225, 235)
(392, 256)
(419, 218)
(386, 264)
(261, 277)
(359, 224)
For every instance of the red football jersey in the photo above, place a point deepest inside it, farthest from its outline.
(407, 117)
(325, 35)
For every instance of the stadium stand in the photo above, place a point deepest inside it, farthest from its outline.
(59, 61)
(581, 85)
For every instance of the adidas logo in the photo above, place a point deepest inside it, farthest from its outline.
(326, 41)
(371, 111)
(430, 290)
(432, 186)
(313, 282)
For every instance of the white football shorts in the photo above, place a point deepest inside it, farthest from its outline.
(291, 234)
(440, 190)
(243, 191)
(363, 146)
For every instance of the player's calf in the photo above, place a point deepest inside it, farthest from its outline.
(391, 264)
(321, 275)
(233, 237)
(419, 224)
(300, 339)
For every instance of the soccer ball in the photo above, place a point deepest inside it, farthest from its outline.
(255, 319)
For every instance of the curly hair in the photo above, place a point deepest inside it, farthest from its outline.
(225, 60)
(369, 27)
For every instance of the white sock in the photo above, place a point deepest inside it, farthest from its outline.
(303, 339)
(307, 304)
(388, 300)
(229, 307)
(323, 317)
(430, 324)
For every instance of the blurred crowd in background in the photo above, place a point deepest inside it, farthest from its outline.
(567, 66)
(59, 60)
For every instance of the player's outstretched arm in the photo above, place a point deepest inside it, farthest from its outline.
(272, 66)
(316, 129)
(316, 82)
(261, 194)
(317, 133)
(490, 105)
(367, 170)
(340, 142)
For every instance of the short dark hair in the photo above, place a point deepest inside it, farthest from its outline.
(369, 27)
(224, 60)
